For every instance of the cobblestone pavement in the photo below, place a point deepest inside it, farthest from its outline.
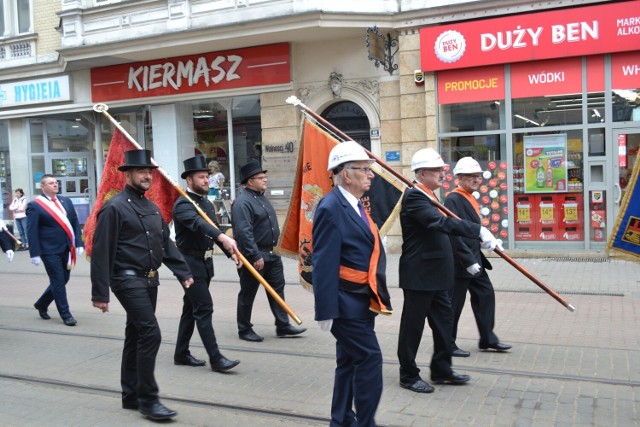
(566, 368)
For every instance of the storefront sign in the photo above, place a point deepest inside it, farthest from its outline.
(554, 77)
(625, 70)
(555, 34)
(478, 84)
(545, 163)
(41, 91)
(253, 66)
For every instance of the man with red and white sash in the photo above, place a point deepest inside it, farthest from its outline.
(54, 240)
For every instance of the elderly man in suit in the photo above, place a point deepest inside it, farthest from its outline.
(55, 240)
(426, 273)
(349, 286)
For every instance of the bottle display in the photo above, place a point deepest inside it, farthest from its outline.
(540, 175)
(549, 175)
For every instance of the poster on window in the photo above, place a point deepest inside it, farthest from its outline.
(545, 163)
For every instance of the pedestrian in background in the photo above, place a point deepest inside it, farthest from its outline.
(471, 265)
(216, 180)
(5, 243)
(256, 230)
(426, 274)
(349, 286)
(19, 208)
(55, 240)
(195, 238)
(130, 242)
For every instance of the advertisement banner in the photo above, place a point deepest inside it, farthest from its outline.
(542, 78)
(477, 84)
(545, 163)
(205, 72)
(579, 31)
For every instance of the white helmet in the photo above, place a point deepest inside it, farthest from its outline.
(426, 158)
(348, 151)
(467, 165)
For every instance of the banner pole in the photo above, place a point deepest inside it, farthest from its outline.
(102, 108)
(295, 101)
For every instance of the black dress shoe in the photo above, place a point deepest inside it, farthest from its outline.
(70, 321)
(419, 386)
(43, 313)
(452, 378)
(189, 360)
(250, 335)
(223, 364)
(460, 353)
(289, 331)
(156, 411)
(130, 405)
(497, 347)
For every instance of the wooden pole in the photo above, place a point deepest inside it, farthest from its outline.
(295, 101)
(102, 108)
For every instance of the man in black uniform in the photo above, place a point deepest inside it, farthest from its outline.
(131, 240)
(194, 238)
(255, 228)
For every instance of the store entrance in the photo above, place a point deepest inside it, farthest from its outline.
(628, 143)
(74, 180)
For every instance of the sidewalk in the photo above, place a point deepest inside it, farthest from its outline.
(565, 369)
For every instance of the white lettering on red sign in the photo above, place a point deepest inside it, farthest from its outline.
(631, 70)
(149, 77)
(517, 38)
(628, 26)
(543, 78)
(574, 32)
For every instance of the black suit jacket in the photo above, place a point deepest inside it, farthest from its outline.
(426, 263)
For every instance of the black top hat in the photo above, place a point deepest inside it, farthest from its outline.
(137, 159)
(250, 169)
(194, 164)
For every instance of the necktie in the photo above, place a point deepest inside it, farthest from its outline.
(57, 203)
(363, 214)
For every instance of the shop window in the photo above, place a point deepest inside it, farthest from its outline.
(15, 17)
(624, 81)
(481, 148)
(626, 105)
(557, 110)
(471, 116)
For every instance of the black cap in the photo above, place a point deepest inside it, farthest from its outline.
(250, 169)
(137, 159)
(194, 164)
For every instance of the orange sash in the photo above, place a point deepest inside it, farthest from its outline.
(470, 199)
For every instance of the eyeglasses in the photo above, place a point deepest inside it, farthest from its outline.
(364, 169)
(261, 178)
(472, 177)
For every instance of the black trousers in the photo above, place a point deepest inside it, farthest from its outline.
(141, 343)
(483, 304)
(435, 306)
(273, 273)
(197, 311)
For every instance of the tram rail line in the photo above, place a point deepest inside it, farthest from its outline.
(489, 371)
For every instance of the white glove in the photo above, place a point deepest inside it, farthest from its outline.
(36, 260)
(9, 255)
(325, 325)
(2, 226)
(488, 241)
(474, 269)
(499, 244)
(79, 251)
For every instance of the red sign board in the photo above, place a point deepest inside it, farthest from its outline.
(206, 72)
(564, 33)
(595, 73)
(478, 84)
(554, 77)
(625, 70)
(622, 151)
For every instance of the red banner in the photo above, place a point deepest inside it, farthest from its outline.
(555, 77)
(162, 192)
(605, 28)
(252, 66)
(625, 70)
(595, 73)
(477, 84)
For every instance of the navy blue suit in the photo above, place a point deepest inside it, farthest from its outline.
(49, 241)
(340, 237)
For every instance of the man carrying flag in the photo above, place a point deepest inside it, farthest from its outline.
(349, 285)
(54, 237)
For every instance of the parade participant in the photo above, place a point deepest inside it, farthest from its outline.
(19, 208)
(195, 238)
(349, 286)
(256, 230)
(426, 274)
(130, 242)
(470, 262)
(5, 243)
(55, 240)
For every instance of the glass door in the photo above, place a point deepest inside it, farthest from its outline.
(628, 142)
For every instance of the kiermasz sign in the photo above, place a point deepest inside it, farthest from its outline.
(213, 71)
(571, 32)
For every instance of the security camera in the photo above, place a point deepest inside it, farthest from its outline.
(418, 77)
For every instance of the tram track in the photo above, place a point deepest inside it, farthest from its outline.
(315, 355)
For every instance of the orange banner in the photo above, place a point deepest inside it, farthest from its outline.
(161, 192)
